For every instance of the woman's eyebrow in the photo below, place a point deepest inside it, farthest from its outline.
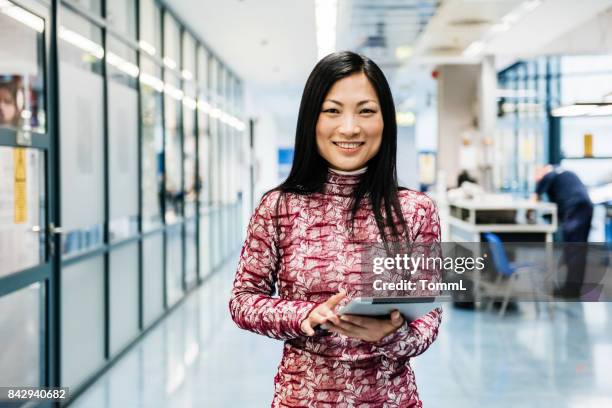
(359, 103)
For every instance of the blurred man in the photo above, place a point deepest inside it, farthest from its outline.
(575, 211)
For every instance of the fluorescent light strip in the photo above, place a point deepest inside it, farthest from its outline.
(190, 103)
(81, 42)
(604, 110)
(24, 17)
(325, 17)
(152, 81)
(146, 47)
(187, 75)
(573, 110)
(474, 49)
(173, 92)
(122, 65)
(169, 62)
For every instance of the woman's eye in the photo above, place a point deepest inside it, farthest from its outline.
(367, 111)
(331, 110)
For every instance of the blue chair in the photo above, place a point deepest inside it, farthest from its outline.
(508, 270)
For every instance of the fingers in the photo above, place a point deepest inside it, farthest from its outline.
(333, 301)
(396, 318)
(307, 328)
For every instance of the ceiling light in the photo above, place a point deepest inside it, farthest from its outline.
(403, 52)
(152, 81)
(577, 109)
(187, 75)
(122, 65)
(24, 17)
(474, 49)
(500, 27)
(169, 62)
(173, 92)
(146, 47)
(405, 118)
(190, 103)
(325, 17)
(603, 110)
(81, 42)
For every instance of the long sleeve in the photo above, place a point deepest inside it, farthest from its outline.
(413, 338)
(252, 305)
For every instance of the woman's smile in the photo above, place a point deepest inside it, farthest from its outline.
(349, 147)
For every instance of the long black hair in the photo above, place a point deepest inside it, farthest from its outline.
(309, 169)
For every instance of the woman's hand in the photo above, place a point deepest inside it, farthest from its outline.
(367, 328)
(322, 314)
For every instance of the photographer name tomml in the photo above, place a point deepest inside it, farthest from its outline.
(422, 284)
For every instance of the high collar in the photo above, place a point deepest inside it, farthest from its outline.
(342, 183)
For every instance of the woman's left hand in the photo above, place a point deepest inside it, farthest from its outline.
(367, 328)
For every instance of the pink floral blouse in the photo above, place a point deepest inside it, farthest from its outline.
(312, 257)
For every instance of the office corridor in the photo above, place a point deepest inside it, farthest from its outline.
(197, 357)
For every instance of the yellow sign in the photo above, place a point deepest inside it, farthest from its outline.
(588, 145)
(20, 193)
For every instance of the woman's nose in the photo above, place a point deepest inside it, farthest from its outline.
(348, 126)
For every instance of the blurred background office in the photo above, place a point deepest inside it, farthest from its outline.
(136, 136)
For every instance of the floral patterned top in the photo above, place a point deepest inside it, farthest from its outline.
(308, 256)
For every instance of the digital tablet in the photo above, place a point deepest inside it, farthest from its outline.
(410, 307)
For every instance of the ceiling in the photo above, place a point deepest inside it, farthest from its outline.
(271, 44)
(266, 42)
(459, 23)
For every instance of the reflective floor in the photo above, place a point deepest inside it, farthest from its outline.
(198, 358)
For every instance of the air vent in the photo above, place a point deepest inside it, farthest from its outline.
(443, 50)
(469, 22)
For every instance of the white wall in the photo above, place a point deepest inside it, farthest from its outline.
(457, 87)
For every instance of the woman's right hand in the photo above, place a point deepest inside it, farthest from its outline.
(321, 314)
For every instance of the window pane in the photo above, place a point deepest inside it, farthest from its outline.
(82, 320)
(190, 252)
(123, 296)
(123, 142)
(121, 60)
(174, 159)
(202, 68)
(205, 253)
(91, 5)
(204, 159)
(152, 144)
(121, 15)
(150, 27)
(22, 336)
(123, 147)
(174, 264)
(82, 132)
(153, 278)
(172, 42)
(22, 190)
(22, 103)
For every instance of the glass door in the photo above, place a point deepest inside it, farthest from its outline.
(26, 189)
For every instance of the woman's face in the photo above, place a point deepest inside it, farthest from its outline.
(350, 125)
(8, 110)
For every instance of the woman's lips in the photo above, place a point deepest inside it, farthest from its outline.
(349, 147)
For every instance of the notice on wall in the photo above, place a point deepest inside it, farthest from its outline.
(20, 191)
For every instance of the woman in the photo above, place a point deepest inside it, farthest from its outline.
(306, 237)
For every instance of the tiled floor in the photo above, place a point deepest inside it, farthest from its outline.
(198, 358)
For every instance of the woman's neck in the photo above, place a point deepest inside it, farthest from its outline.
(349, 173)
